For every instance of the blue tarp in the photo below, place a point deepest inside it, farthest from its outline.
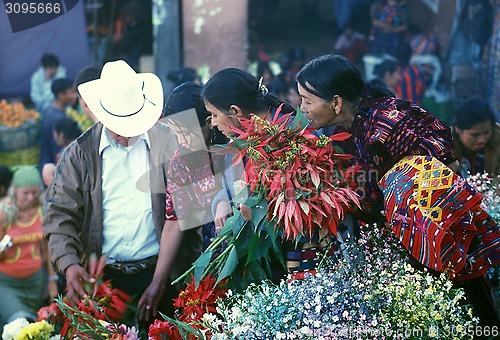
(21, 52)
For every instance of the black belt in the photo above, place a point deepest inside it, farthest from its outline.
(134, 267)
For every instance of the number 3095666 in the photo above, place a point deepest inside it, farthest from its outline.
(32, 8)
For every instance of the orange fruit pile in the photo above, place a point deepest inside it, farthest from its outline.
(15, 114)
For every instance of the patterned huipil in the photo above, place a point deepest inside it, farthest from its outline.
(403, 150)
(386, 130)
(191, 187)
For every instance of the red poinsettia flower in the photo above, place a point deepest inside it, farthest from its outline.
(160, 330)
(196, 301)
(300, 174)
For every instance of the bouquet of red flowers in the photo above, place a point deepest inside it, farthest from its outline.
(101, 303)
(299, 174)
(297, 185)
(192, 304)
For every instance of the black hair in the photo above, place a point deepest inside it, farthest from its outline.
(184, 97)
(182, 75)
(388, 65)
(61, 85)
(404, 53)
(88, 73)
(330, 75)
(472, 111)
(233, 86)
(49, 60)
(68, 127)
(5, 176)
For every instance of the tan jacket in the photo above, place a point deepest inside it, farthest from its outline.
(73, 203)
(491, 151)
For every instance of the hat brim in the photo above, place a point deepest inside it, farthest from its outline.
(132, 125)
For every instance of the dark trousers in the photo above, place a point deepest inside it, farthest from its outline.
(136, 284)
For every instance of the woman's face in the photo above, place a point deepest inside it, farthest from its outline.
(189, 137)
(476, 137)
(27, 197)
(320, 112)
(222, 121)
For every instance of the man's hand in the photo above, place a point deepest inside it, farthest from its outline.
(75, 277)
(53, 291)
(148, 304)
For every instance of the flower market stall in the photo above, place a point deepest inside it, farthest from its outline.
(19, 134)
(364, 288)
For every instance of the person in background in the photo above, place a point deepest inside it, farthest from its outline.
(413, 80)
(5, 180)
(88, 73)
(182, 75)
(292, 95)
(64, 94)
(476, 136)
(26, 274)
(41, 81)
(292, 63)
(389, 25)
(351, 44)
(65, 131)
(388, 74)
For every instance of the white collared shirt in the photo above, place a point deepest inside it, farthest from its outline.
(128, 227)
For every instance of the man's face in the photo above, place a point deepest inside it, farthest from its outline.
(50, 72)
(123, 141)
(67, 97)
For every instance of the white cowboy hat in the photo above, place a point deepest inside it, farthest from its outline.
(125, 102)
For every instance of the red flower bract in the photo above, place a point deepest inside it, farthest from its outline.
(194, 302)
(299, 173)
(163, 330)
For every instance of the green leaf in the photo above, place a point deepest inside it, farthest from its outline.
(235, 222)
(300, 120)
(241, 240)
(275, 240)
(258, 272)
(259, 247)
(200, 265)
(184, 328)
(229, 266)
(259, 212)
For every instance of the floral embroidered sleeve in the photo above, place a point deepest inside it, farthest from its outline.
(405, 129)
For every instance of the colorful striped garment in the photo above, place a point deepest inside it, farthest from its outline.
(437, 216)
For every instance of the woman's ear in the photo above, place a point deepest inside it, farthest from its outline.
(236, 111)
(337, 104)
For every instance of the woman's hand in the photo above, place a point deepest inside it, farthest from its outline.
(246, 212)
(222, 212)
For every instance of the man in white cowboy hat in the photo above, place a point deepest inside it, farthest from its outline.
(102, 200)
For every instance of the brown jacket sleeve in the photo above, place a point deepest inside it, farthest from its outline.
(64, 213)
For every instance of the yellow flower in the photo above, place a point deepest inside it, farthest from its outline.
(36, 331)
